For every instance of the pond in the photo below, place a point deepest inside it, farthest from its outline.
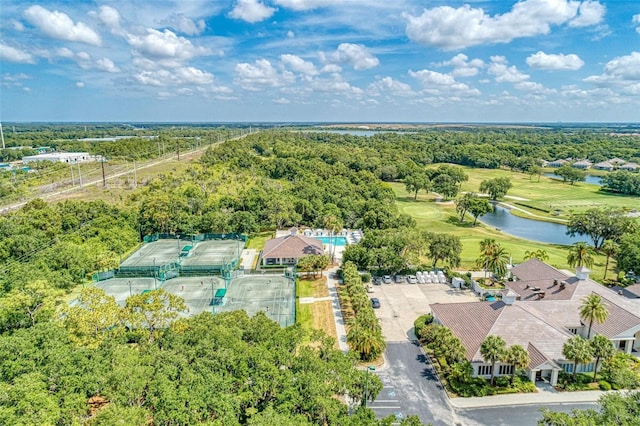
(594, 180)
(529, 229)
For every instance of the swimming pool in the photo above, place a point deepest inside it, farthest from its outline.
(338, 241)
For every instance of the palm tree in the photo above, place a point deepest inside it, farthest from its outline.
(580, 254)
(540, 254)
(487, 247)
(518, 357)
(493, 257)
(609, 248)
(593, 308)
(492, 349)
(602, 349)
(333, 224)
(578, 350)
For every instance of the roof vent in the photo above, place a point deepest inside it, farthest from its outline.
(582, 272)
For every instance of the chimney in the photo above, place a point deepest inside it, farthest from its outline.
(509, 298)
(293, 231)
(582, 273)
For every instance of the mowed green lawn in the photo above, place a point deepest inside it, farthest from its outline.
(442, 217)
(550, 194)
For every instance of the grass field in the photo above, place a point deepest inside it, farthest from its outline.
(317, 315)
(549, 195)
(442, 217)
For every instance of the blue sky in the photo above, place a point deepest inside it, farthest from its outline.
(320, 60)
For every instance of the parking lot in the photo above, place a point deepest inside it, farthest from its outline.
(401, 304)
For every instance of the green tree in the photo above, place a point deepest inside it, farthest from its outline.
(602, 349)
(609, 248)
(518, 357)
(334, 225)
(306, 264)
(628, 256)
(153, 311)
(445, 185)
(571, 174)
(496, 188)
(601, 224)
(463, 203)
(592, 309)
(479, 207)
(445, 247)
(493, 257)
(621, 409)
(95, 319)
(577, 350)
(580, 254)
(493, 349)
(416, 182)
(24, 305)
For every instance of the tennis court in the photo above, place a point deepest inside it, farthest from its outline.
(272, 294)
(161, 252)
(212, 255)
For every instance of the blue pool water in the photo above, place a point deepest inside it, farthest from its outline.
(338, 241)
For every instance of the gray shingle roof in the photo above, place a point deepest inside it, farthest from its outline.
(292, 246)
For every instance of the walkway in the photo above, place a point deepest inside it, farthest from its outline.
(341, 331)
(546, 395)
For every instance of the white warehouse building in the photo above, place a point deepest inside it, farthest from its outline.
(60, 157)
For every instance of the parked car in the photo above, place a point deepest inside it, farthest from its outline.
(411, 279)
(369, 288)
(377, 280)
(375, 302)
(386, 279)
(398, 279)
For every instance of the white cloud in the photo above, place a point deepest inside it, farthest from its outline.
(158, 45)
(261, 74)
(79, 84)
(457, 28)
(291, 34)
(331, 69)
(300, 5)
(439, 84)
(462, 67)
(176, 77)
(251, 11)
(11, 54)
(297, 64)
(106, 64)
(636, 20)
(109, 17)
(504, 73)
(281, 101)
(393, 87)
(555, 62)
(60, 26)
(589, 13)
(17, 25)
(355, 55)
(64, 52)
(623, 70)
(183, 24)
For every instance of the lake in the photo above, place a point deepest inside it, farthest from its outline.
(594, 180)
(529, 229)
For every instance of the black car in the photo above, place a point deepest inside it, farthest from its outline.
(375, 302)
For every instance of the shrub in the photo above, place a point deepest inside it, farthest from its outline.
(366, 277)
(604, 385)
(420, 324)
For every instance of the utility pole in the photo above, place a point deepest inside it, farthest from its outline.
(79, 174)
(2, 135)
(104, 181)
(178, 148)
(135, 175)
(73, 183)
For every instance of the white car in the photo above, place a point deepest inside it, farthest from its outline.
(411, 279)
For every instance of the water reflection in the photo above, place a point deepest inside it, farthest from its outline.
(594, 180)
(529, 229)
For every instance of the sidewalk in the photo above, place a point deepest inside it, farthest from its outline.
(341, 331)
(545, 395)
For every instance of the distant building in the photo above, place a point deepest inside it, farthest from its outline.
(630, 167)
(5, 167)
(557, 163)
(604, 165)
(60, 157)
(582, 164)
(617, 161)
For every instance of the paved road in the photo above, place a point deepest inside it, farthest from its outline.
(411, 387)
